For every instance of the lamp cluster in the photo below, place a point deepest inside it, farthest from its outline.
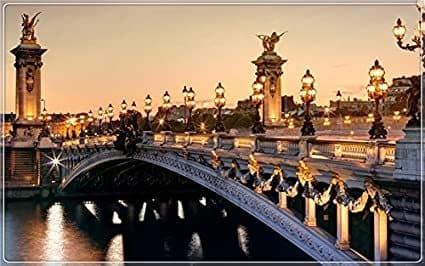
(308, 95)
(219, 102)
(377, 89)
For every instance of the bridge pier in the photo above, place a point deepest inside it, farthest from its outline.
(380, 221)
(342, 229)
(310, 212)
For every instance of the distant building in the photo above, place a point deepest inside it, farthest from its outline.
(396, 99)
(354, 107)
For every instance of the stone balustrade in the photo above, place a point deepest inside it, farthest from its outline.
(366, 151)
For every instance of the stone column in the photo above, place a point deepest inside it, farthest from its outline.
(342, 229)
(283, 203)
(310, 212)
(28, 89)
(380, 235)
(270, 65)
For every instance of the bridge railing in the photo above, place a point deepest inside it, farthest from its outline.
(367, 151)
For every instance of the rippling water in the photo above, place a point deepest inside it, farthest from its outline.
(77, 231)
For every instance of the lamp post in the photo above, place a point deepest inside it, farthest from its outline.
(73, 121)
(166, 105)
(257, 99)
(308, 95)
(90, 120)
(418, 41)
(377, 90)
(190, 104)
(148, 109)
(184, 92)
(82, 121)
(399, 31)
(67, 125)
(123, 107)
(99, 117)
(338, 107)
(110, 115)
(219, 102)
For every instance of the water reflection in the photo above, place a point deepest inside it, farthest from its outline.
(115, 251)
(143, 230)
(54, 241)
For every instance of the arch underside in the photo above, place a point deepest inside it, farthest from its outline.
(309, 240)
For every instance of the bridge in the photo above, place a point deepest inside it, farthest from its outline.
(247, 170)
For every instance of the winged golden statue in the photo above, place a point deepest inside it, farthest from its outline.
(28, 27)
(270, 41)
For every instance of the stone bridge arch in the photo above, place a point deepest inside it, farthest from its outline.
(282, 221)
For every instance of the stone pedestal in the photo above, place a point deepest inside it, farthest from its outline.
(408, 156)
(270, 64)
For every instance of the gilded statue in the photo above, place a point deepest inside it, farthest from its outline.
(28, 27)
(270, 41)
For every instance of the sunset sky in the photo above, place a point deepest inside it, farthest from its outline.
(102, 54)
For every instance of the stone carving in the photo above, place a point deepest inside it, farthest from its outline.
(28, 27)
(378, 197)
(342, 197)
(234, 172)
(270, 41)
(29, 80)
(414, 102)
(306, 179)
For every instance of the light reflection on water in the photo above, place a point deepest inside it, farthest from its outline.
(115, 250)
(77, 232)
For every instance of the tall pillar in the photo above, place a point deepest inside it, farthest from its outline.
(310, 212)
(28, 85)
(342, 229)
(380, 235)
(270, 64)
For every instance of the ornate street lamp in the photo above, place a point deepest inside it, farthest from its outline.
(338, 107)
(219, 102)
(123, 106)
(82, 120)
(90, 120)
(67, 125)
(166, 105)
(148, 109)
(308, 95)
(190, 104)
(399, 31)
(418, 41)
(184, 92)
(377, 90)
(134, 106)
(110, 115)
(99, 118)
(257, 99)
(73, 121)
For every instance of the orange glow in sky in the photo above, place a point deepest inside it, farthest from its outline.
(101, 54)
